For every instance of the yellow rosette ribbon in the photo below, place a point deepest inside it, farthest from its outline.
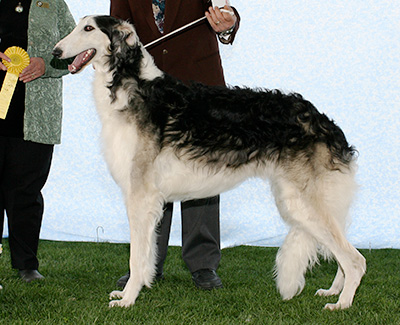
(19, 61)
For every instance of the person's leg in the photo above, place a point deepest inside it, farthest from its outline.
(2, 156)
(26, 167)
(201, 240)
(163, 232)
(1, 216)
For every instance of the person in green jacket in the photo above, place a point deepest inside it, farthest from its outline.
(32, 124)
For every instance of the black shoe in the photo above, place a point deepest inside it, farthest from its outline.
(207, 279)
(30, 275)
(124, 279)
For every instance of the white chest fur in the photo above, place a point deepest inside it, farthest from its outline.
(119, 137)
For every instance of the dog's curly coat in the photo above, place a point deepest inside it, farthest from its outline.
(167, 141)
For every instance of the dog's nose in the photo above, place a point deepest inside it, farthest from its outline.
(57, 52)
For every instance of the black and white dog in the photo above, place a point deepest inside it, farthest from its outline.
(165, 141)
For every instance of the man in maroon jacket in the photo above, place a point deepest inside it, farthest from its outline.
(191, 55)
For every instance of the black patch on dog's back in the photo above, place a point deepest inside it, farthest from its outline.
(241, 123)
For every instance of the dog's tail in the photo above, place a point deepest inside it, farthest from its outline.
(336, 141)
(324, 130)
(297, 254)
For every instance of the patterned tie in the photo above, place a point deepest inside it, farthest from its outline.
(158, 10)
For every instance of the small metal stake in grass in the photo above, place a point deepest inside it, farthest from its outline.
(97, 233)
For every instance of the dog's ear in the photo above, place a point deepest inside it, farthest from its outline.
(123, 38)
(131, 39)
(125, 49)
(128, 33)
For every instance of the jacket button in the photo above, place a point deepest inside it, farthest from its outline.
(165, 51)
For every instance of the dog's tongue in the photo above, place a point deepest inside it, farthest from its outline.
(80, 60)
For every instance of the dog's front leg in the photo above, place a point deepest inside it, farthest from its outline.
(144, 212)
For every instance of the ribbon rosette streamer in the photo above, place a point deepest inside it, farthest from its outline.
(19, 61)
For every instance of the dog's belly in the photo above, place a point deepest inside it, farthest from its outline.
(195, 186)
(179, 179)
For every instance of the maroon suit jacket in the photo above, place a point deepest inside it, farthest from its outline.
(193, 54)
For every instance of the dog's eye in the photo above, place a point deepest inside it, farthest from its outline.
(88, 28)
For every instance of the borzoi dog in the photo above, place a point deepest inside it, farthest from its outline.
(166, 141)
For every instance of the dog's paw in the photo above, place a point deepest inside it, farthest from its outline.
(120, 303)
(326, 293)
(116, 294)
(337, 306)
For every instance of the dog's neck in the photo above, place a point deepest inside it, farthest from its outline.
(148, 69)
(138, 67)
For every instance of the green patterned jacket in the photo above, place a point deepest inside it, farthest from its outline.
(49, 21)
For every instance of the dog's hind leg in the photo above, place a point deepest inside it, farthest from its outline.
(352, 267)
(144, 212)
(337, 191)
(336, 287)
(319, 209)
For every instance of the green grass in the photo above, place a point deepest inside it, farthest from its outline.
(79, 277)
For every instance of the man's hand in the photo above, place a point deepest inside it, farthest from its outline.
(221, 21)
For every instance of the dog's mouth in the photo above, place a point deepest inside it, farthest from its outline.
(81, 60)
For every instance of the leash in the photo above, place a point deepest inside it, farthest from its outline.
(174, 32)
(181, 29)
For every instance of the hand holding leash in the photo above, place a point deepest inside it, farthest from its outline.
(221, 20)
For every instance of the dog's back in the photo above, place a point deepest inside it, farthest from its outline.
(248, 125)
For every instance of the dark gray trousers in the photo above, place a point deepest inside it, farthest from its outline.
(200, 234)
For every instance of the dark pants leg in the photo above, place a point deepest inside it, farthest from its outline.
(163, 231)
(26, 166)
(1, 200)
(1, 216)
(200, 234)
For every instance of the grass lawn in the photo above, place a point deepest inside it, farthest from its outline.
(79, 277)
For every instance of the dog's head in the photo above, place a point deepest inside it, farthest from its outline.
(94, 39)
